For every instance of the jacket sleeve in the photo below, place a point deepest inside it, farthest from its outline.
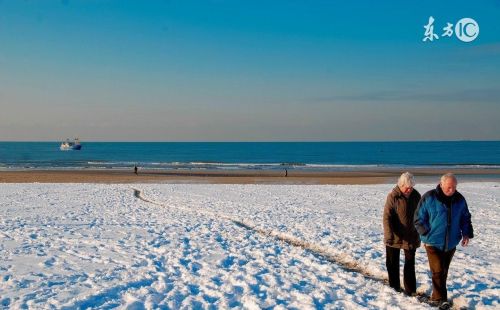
(421, 218)
(466, 223)
(388, 229)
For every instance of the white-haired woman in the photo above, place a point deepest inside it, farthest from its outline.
(400, 232)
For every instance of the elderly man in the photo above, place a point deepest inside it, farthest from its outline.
(400, 233)
(442, 219)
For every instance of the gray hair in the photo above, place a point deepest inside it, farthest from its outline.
(406, 179)
(448, 176)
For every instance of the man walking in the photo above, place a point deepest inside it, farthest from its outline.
(400, 233)
(442, 219)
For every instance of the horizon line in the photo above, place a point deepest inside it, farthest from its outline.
(256, 141)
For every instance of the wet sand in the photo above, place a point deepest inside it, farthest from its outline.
(372, 176)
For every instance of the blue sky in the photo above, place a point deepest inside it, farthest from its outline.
(246, 71)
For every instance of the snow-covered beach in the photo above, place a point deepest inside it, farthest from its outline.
(99, 246)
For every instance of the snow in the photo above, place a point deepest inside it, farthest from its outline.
(222, 246)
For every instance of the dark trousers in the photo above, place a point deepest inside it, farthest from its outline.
(439, 262)
(392, 264)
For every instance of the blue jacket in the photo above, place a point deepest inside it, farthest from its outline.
(443, 226)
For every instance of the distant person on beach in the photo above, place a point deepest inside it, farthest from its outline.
(136, 170)
(400, 233)
(442, 219)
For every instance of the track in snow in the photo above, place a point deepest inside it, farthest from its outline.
(337, 257)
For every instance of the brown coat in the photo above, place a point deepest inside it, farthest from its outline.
(399, 230)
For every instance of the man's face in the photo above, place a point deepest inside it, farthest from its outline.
(406, 190)
(449, 187)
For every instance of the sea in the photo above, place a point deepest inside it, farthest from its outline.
(323, 156)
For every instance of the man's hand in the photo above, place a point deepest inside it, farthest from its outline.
(465, 241)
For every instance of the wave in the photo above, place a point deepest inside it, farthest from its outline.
(200, 165)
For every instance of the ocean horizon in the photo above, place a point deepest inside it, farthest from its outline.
(322, 156)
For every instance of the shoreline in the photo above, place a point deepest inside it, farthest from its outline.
(366, 176)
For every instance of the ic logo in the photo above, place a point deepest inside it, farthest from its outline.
(466, 29)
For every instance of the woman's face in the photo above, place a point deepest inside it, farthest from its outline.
(406, 190)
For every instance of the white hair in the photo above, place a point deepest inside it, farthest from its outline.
(448, 176)
(406, 179)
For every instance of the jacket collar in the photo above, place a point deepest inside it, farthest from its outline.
(397, 192)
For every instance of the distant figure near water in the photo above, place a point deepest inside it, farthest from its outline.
(286, 172)
(136, 170)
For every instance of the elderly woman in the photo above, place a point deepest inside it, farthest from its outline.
(400, 232)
